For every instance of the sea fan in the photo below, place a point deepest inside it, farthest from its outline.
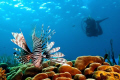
(39, 50)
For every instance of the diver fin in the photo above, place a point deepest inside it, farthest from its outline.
(102, 20)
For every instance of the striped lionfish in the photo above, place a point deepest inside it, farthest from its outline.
(41, 48)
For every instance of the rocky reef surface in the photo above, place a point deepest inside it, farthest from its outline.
(83, 68)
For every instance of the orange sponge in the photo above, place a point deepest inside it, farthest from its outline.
(48, 69)
(63, 78)
(69, 63)
(92, 67)
(83, 61)
(40, 76)
(109, 68)
(102, 75)
(66, 68)
(2, 74)
(106, 63)
(79, 77)
(66, 74)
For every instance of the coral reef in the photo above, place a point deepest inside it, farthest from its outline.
(79, 77)
(103, 75)
(95, 69)
(2, 74)
(5, 67)
(66, 68)
(8, 60)
(92, 67)
(108, 68)
(66, 74)
(83, 61)
(40, 76)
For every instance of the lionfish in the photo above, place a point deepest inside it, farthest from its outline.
(41, 48)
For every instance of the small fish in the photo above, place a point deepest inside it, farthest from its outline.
(15, 54)
(17, 49)
(73, 26)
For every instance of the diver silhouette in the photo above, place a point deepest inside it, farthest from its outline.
(93, 27)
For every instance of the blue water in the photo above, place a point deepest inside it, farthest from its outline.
(61, 15)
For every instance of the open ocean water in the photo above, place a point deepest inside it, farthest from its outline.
(63, 16)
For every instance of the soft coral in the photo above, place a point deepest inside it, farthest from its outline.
(2, 74)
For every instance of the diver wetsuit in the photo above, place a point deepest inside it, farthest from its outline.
(93, 27)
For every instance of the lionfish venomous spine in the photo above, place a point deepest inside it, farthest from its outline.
(39, 52)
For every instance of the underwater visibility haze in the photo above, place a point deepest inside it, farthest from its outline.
(42, 27)
(65, 18)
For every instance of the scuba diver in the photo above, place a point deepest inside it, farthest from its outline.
(93, 27)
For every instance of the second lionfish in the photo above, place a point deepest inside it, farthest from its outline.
(41, 48)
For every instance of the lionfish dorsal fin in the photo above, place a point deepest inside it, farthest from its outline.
(47, 35)
(37, 50)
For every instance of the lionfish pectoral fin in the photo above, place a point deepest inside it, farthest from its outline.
(20, 41)
(23, 59)
(59, 60)
(58, 54)
(54, 50)
(49, 46)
